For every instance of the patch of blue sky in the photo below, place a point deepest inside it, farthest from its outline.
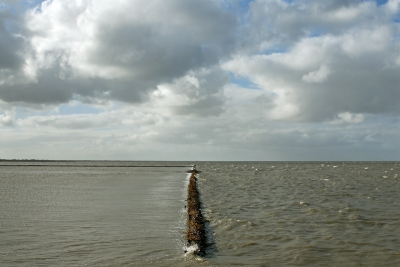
(77, 109)
(66, 109)
(242, 81)
(33, 3)
(275, 50)
(316, 31)
(381, 2)
(22, 6)
(15, 8)
(239, 7)
(23, 113)
(245, 3)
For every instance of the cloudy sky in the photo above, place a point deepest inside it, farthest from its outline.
(200, 79)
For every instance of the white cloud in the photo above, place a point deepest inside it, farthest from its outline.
(124, 116)
(6, 120)
(198, 93)
(347, 117)
(322, 76)
(366, 41)
(317, 76)
(393, 6)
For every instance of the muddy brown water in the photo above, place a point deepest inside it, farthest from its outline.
(259, 214)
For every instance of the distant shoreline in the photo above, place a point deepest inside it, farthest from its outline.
(17, 163)
(93, 166)
(84, 160)
(239, 161)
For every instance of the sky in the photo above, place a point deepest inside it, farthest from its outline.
(228, 80)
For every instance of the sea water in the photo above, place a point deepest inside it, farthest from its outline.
(258, 213)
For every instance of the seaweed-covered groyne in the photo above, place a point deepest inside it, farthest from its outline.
(196, 234)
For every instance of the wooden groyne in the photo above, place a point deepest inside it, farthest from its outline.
(196, 234)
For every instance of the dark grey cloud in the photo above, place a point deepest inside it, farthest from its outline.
(365, 91)
(47, 89)
(11, 45)
(184, 36)
(122, 53)
(209, 106)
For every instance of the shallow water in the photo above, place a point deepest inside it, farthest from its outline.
(259, 214)
(72, 216)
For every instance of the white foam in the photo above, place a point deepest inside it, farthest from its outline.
(192, 249)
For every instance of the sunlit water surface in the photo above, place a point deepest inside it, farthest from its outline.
(259, 214)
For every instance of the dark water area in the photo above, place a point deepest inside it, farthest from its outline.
(258, 213)
(304, 214)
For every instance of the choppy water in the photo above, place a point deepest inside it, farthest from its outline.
(260, 214)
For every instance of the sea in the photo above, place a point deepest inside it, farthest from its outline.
(130, 213)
